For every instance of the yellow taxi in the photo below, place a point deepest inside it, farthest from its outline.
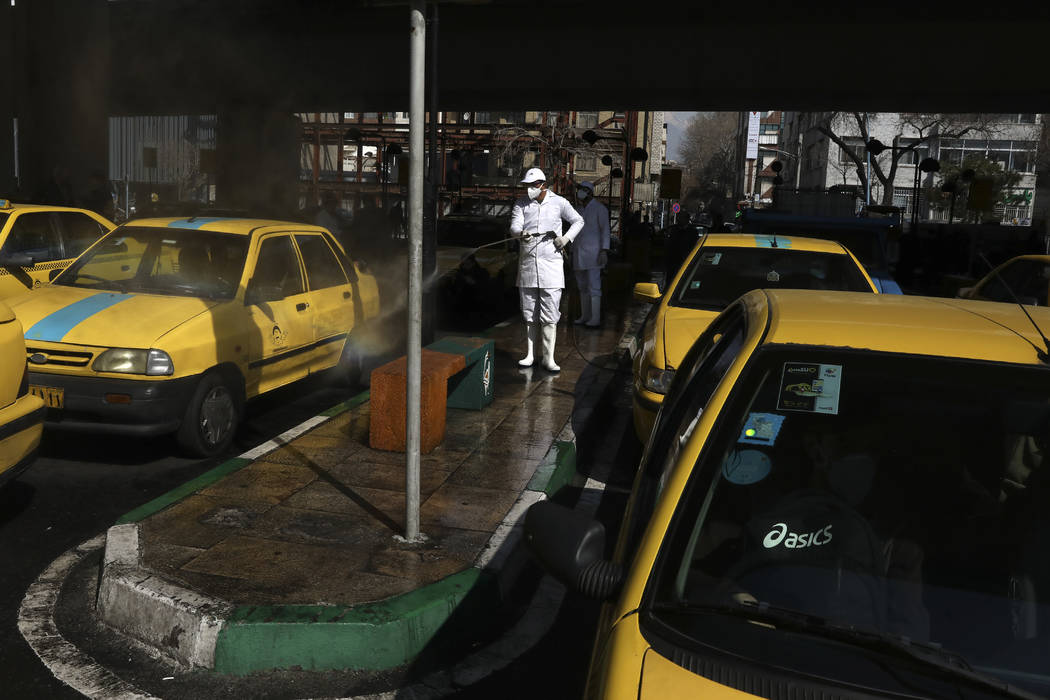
(719, 269)
(37, 239)
(170, 325)
(1024, 279)
(885, 537)
(21, 413)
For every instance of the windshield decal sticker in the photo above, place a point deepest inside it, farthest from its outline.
(55, 326)
(810, 387)
(745, 467)
(772, 276)
(710, 258)
(794, 540)
(761, 429)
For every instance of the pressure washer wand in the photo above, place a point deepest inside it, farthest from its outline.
(522, 237)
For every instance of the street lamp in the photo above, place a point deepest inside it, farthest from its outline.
(927, 165)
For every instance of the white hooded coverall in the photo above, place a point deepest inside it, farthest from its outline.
(541, 275)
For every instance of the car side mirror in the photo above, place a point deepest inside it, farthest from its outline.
(570, 546)
(260, 294)
(964, 293)
(16, 260)
(647, 292)
(53, 274)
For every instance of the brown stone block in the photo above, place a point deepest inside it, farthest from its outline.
(388, 389)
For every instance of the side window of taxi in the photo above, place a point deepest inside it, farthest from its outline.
(322, 268)
(277, 274)
(79, 231)
(34, 235)
(704, 366)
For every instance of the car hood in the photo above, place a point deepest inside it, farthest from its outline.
(662, 678)
(102, 319)
(681, 329)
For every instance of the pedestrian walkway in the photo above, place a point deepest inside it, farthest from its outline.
(290, 556)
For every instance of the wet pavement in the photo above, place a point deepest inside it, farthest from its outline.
(309, 531)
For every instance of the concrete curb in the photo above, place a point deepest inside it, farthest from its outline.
(202, 632)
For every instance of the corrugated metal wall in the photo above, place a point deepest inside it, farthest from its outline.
(178, 140)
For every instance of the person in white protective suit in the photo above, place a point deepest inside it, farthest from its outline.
(590, 253)
(537, 219)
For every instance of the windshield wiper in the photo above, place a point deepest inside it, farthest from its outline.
(931, 657)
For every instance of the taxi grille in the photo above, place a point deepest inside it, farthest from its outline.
(63, 358)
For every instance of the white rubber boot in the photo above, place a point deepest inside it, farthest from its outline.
(585, 310)
(550, 333)
(531, 331)
(596, 311)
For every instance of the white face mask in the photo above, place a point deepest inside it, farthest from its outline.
(534, 192)
(582, 194)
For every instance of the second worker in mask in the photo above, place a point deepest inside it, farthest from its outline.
(590, 253)
(541, 276)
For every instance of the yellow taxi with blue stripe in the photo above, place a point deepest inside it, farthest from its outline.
(845, 495)
(21, 413)
(37, 239)
(719, 269)
(170, 325)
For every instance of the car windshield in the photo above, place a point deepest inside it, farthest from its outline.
(904, 497)
(471, 233)
(182, 262)
(717, 276)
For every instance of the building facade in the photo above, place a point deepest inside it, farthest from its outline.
(1005, 141)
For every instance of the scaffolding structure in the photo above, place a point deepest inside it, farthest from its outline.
(482, 156)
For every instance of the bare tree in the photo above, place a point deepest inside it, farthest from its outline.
(552, 146)
(914, 133)
(708, 154)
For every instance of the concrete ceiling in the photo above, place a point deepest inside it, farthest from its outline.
(185, 56)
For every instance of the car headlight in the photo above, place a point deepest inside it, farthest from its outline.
(658, 380)
(131, 361)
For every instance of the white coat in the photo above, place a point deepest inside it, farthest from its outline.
(594, 236)
(540, 264)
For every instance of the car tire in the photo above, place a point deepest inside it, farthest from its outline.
(348, 371)
(211, 418)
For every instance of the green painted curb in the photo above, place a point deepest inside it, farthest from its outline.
(347, 405)
(225, 469)
(556, 470)
(373, 637)
(180, 492)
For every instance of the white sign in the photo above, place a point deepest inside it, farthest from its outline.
(752, 134)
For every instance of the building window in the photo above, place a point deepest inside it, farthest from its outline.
(856, 144)
(587, 163)
(587, 120)
(1026, 118)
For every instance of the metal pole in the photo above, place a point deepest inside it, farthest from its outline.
(867, 172)
(417, 69)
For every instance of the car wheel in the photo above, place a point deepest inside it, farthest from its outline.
(349, 370)
(211, 418)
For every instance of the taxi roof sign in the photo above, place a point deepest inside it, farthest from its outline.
(5, 203)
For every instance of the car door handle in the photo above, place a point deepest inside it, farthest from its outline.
(346, 295)
(302, 306)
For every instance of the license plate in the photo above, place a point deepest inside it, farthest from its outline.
(53, 397)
